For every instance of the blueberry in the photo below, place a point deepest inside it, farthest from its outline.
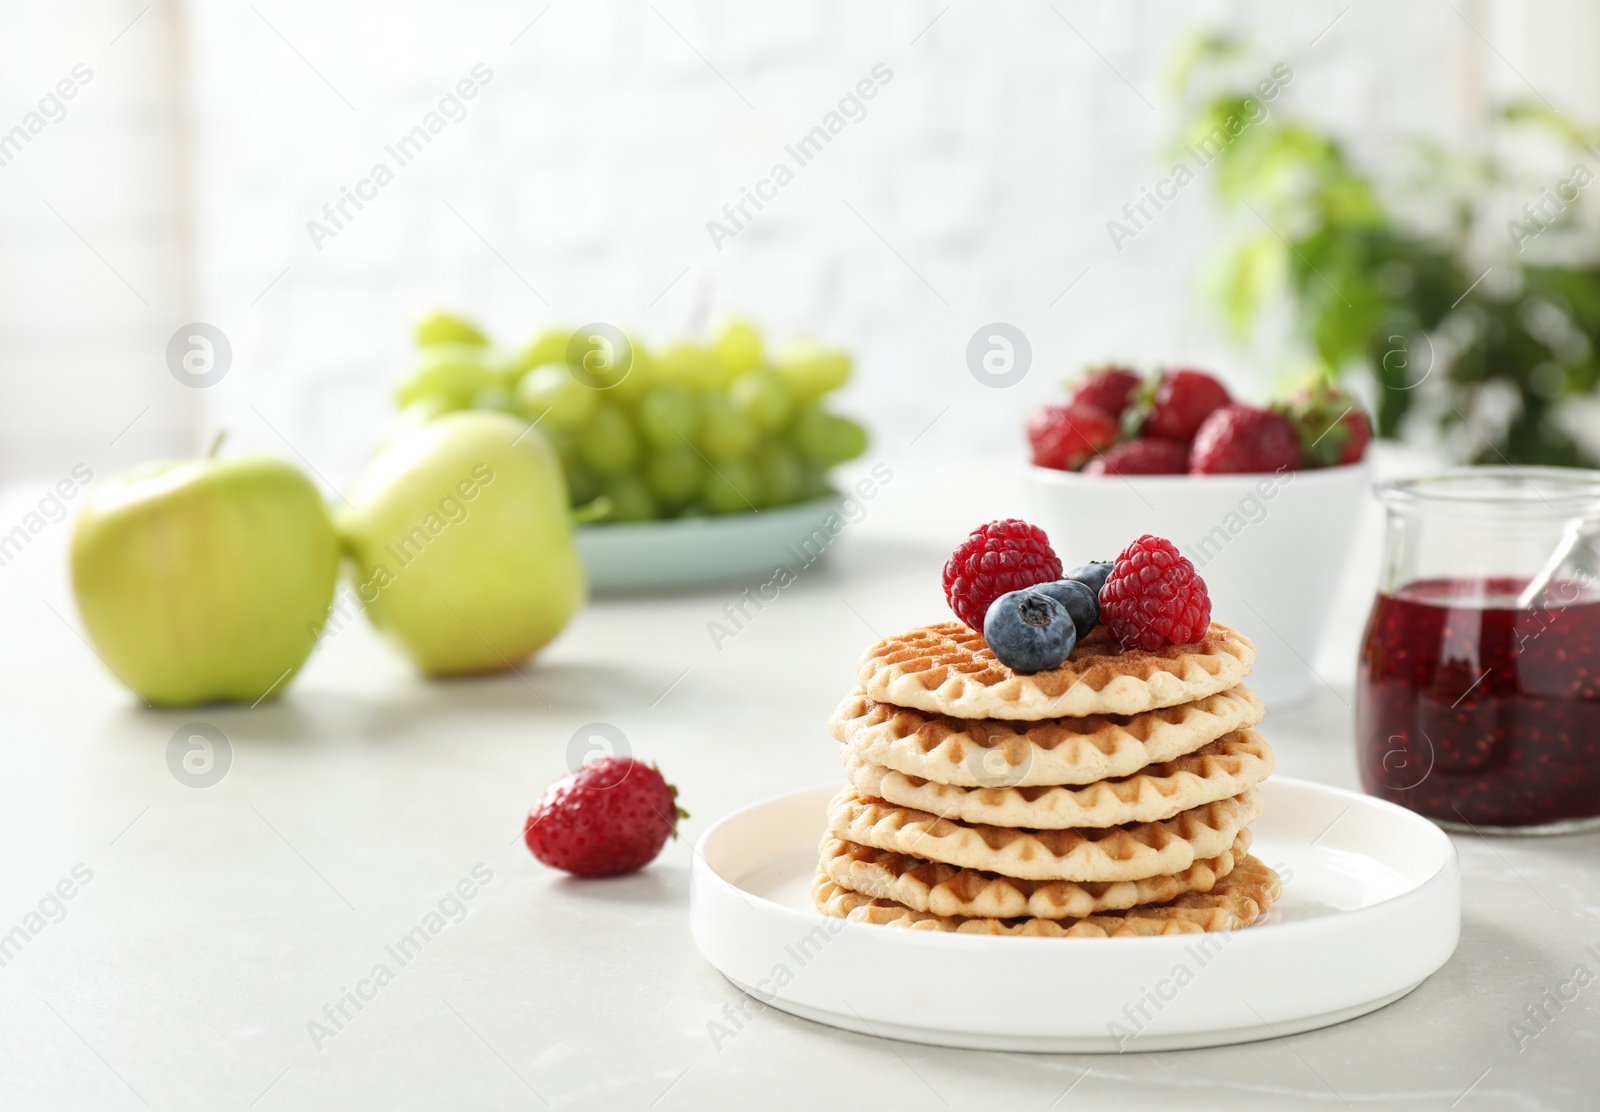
(1078, 598)
(1028, 631)
(1092, 576)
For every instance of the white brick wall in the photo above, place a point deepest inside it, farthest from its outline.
(593, 161)
(80, 347)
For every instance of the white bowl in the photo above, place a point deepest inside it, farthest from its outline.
(689, 552)
(1371, 906)
(1271, 548)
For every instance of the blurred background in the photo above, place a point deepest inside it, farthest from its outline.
(980, 183)
(1411, 212)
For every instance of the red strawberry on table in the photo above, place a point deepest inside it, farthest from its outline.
(1332, 425)
(1183, 399)
(1147, 456)
(1241, 439)
(1066, 436)
(1109, 388)
(611, 816)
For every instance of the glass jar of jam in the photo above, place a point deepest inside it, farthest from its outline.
(1478, 690)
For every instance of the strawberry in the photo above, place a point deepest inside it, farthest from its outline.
(1110, 388)
(1147, 456)
(1241, 439)
(1333, 427)
(1066, 436)
(1181, 401)
(611, 816)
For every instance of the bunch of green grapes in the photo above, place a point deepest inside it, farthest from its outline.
(686, 430)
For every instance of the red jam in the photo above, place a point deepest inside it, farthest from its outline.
(1472, 711)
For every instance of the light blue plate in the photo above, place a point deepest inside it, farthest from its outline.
(697, 551)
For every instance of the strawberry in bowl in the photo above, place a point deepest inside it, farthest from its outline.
(1066, 437)
(1111, 389)
(1332, 426)
(1148, 455)
(1179, 403)
(1262, 500)
(1244, 440)
(1184, 421)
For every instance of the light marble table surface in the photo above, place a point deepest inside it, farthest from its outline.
(208, 928)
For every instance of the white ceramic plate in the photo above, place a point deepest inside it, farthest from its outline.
(1371, 906)
(696, 551)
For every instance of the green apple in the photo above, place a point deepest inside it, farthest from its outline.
(205, 580)
(462, 543)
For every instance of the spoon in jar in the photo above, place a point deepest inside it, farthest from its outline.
(1537, 585)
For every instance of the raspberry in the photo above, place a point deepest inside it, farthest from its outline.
(1109, 388)
(1183, 399)
(996, 559)
(1332, 426)
(1065, 436)
(1240, 439)
(1142, 457)
(611, 816)
(1154, 597)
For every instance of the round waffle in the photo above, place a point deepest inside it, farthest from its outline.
(1217, 770)
(993, 753)
(940, 889)
(1234, 902)
(1115, 853)
(948, 669)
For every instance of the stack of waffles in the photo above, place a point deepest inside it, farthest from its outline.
(1109, 797)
